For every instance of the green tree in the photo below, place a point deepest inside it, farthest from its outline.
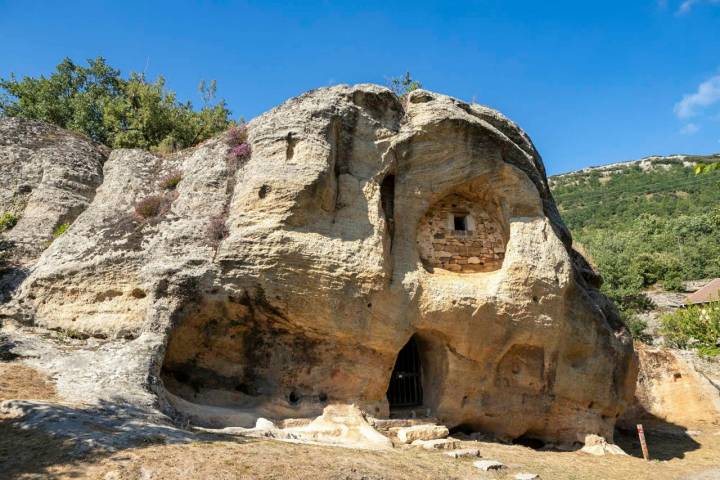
(403, 85)
(119, 112)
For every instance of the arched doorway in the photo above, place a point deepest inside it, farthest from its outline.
(405, 389)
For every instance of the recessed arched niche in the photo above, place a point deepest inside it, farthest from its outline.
(462, 234)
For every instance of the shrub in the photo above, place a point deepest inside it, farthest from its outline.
(236, 135)
(241, 151)
(60, 229)
(696, 327)
(674, 283)
(637, 327)
(119, 111)
(7, 221)
(171, 180)
(217, 230)
(153, 206)
(403, 85)
(236, 139)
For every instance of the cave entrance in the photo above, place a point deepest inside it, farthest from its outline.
(405, 389)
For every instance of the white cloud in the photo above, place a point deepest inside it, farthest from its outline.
(708, 93)
(689, 129)
(687, 5)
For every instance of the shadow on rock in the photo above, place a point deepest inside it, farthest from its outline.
(37, 436)
(665, 440)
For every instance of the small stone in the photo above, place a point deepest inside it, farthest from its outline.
(473, 260)
(487, 465)
(264, 424)
(526, 476)
(463, 453)
(598, 446)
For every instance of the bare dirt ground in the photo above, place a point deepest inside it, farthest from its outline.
(34, 454)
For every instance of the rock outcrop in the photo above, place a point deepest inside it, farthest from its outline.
(676, 390)
(276, 285)
(49, 177)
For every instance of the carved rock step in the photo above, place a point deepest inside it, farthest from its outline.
(438, 444)
(384, 425)
(422, 432)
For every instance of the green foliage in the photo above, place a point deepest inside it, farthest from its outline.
(62, 228)
(644, 227)
(695, 327)
(637, 327)
(119, 112)
(403, 85)
(706, 167)
(7, 221)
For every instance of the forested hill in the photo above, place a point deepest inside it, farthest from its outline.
(644, 222)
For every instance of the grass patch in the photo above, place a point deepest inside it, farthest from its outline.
(7, 221)
(60, 229)
(171, 180)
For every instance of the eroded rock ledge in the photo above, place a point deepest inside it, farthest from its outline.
(391, 253)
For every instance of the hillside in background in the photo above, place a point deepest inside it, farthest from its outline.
(646, 222)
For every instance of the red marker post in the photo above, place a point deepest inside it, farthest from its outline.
(643, 444)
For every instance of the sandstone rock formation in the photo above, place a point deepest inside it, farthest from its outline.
(363, 228)
(675, 389)
(49, 177)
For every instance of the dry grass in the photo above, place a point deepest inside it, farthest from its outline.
(32, 454)
(18, 381)
(221, 459)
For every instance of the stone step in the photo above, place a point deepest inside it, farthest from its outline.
(438, 444)
(385, 424)
(421, 432)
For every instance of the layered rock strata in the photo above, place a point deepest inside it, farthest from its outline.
(275, 285)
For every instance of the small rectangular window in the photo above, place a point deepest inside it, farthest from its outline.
(460, 223)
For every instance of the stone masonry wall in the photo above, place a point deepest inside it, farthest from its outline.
(478, 248)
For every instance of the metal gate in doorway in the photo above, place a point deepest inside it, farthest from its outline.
(405, 389)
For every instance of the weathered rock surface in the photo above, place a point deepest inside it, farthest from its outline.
(488, 465)
(438, 444)
(598, 446)
(323, 270)
(49, 177)
(422, 432)
(675, 389)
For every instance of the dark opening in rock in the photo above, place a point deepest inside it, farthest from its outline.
(405, 389)
(527, 441)
(387, 199)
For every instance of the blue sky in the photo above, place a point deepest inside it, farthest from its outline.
(592, 82)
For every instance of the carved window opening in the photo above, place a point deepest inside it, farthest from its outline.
(463, 233)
